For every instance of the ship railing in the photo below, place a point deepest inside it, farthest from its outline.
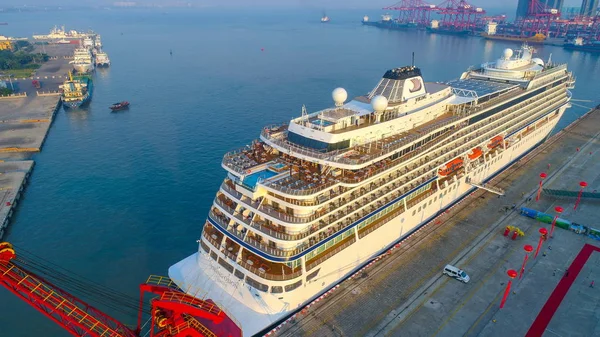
(478, 138)
(232, 191)
(164, 281)
(265, 274)
(382, 146)
(311, 264)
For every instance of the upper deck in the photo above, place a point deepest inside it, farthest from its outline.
(355, 137)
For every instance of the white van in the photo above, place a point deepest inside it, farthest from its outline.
(458, 274)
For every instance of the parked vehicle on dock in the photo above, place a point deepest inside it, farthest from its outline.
(456, 273)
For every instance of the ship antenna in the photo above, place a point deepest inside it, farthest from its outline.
(550, 60)
(413, 58)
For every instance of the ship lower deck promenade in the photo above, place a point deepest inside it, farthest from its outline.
(405, 294)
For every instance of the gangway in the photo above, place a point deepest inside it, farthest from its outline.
(492, 189)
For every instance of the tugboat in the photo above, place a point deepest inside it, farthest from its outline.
(120, 106)
(76, 91)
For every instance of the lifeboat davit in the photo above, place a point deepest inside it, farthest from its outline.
(475, 153)
(495, 142)
(451, 166)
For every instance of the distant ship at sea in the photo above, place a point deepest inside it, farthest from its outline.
(436, 28)
(60, 33)
(102, 59)
(581, 45)
(325, 18)
(77, 92)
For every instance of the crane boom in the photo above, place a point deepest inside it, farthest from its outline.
(72, 314)
(174, 313)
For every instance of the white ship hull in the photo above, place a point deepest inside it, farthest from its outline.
(199, 274)
(83, 67)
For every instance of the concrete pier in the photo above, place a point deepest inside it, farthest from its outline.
(405, 294)
(25, 121)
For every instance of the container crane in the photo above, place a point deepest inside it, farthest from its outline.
(413, 12)
(459, 15)
(173, 313)
(538, 20)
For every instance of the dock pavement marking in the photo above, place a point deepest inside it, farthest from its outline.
(474, 291)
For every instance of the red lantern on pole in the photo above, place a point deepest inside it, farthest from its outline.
(583, 185)
(543, 233)
(543, 176)
(558, 210)
(511, 274)
(528, 249)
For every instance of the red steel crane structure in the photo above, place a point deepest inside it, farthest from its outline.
(413, 12)
(587, 27)
(173, 313)
(539, 19)
(459, 15)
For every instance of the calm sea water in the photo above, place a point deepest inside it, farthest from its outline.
(116, 197)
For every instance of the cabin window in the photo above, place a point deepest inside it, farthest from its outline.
(257, 285)
(293, 286)
(239, 274)
(204, 246)
(312, 275)
(294, 264)
(225, 265)
(213, 255)
(276, 289)
(316, 144)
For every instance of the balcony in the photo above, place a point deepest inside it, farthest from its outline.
(240, 161)
(317, 260)
(212, 235)
(266, 269)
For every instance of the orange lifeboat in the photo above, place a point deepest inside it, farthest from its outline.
(495, 142)
(475, 153)
(451, 166)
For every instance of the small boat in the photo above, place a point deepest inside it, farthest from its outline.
(451, 166)
(475, 153)
(494, 142)
(119, 106)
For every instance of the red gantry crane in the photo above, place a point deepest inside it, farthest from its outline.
(173, 313)
(538, 20)
(459, 15)
(416, 12)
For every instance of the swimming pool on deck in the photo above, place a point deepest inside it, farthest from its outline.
(253, 178)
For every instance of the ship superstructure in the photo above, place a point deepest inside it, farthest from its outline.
(102, 59)
(317, 198)
(83, 61)
(57, 33)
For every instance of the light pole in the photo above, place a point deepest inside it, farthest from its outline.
(543, 176)
(543, 233)
(583, 185)
(528, 249)
(511, 274)
(558, 210)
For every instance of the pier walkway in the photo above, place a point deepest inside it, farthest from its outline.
(25, 121)
(405, 293)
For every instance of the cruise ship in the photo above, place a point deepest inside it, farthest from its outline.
(82, 60)
(315, 199)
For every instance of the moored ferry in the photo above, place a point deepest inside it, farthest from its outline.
(315, 199)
